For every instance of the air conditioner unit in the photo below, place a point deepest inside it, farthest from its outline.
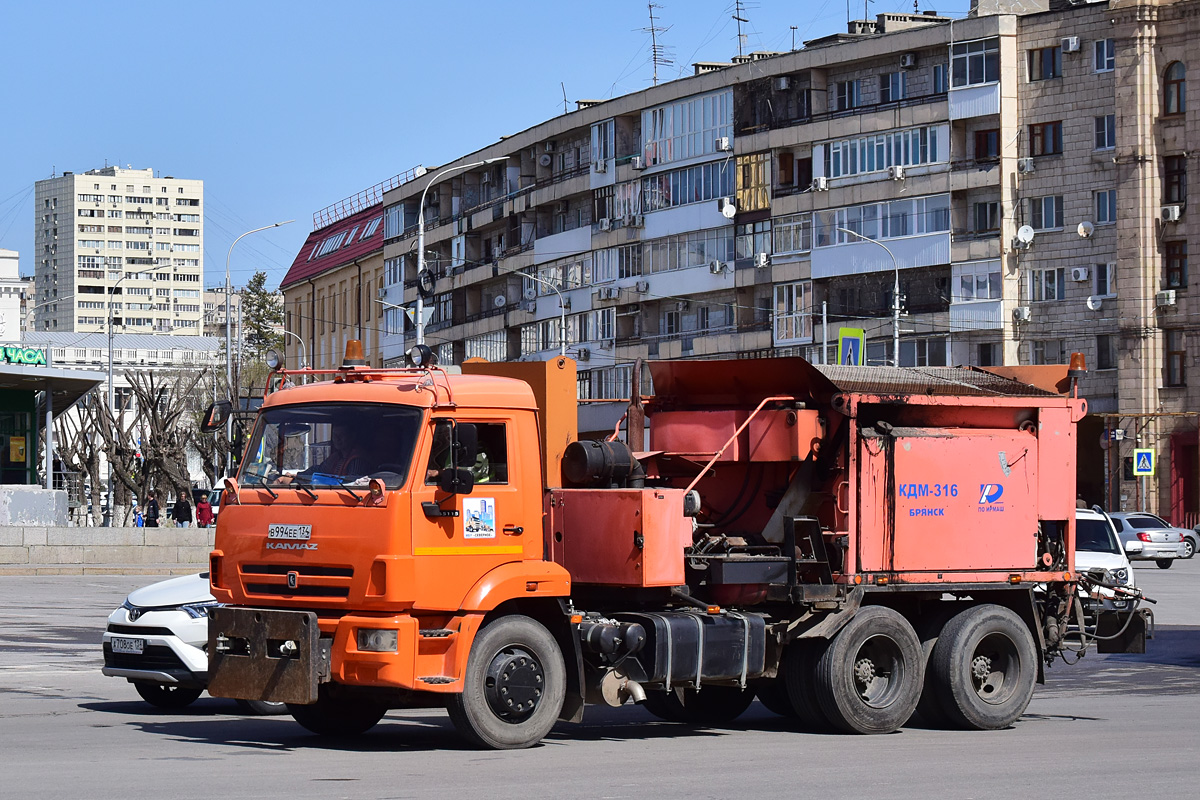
(607, 293)
(724, 144)
(584, 354)
(761, 261)
(531, 305)
(896, 173)
(716, 267)
(637, 162)
(486, 178)
(550, 146)
(1165, 298)
(600, 166)
(605, 224)
(1079, 273)
(638, 221)
(820, 184)
(382, 293)
(1171, 213)
(1070, 44)
(642, 287)
(783, 83)
(562, 207)
(908, 60)
(1020, 244)
(1025, 166)
(627, 220)
(1022, 314)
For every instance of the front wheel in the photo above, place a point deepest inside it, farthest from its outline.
(164, 695)
(261, 708)
(985, 666)
(1164, 563)
(514, 687)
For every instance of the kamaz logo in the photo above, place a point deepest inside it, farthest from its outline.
(291, 545)
(990, 493)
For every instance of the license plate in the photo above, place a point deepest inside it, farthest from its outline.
(134, 646)
(303, 532)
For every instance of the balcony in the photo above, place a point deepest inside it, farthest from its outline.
(980, 315)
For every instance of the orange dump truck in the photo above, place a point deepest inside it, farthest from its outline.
(849, 545)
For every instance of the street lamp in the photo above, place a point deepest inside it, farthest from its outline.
(895, 295)
(303, 352)
(29, 311)
(562, 304)
(229, 338)
(421, 236)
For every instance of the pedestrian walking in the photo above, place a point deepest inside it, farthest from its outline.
(181, 512)
(204, 515)
(151, 509)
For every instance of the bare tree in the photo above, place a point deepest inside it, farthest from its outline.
(118, 430)
(79, 445)
(166, 401)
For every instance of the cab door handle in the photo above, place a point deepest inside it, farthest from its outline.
(513, 530)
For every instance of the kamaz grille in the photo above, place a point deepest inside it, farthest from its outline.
(297, 580)
(283, 590)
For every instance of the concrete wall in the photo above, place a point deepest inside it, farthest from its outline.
(32, 505)
(55, 550)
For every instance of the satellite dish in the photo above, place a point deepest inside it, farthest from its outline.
(728, 209)
(500, 301)
(545, 160)
(1085, 230)
(1094, 302)
(530, 293)
(1024, 234)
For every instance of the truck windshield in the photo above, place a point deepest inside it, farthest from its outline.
(1094, 535)
(327, 445)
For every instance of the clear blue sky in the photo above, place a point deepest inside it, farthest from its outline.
(282, 108)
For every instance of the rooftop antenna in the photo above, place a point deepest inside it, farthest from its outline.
(793, 27)
(659, 55)
(566, 110)
(738, 10)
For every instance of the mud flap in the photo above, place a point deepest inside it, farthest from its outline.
(256, 654)
(1132, 639)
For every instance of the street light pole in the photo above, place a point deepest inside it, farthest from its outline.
(562, 304)
(228, 338)
(895, 295)
(303, 352)
(421, 236)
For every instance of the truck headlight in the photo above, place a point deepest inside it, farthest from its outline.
(376, 640)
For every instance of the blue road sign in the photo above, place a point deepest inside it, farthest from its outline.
(1143, 462)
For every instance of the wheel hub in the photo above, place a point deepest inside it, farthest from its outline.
(514, 684)
(864, 671)
(981, 668)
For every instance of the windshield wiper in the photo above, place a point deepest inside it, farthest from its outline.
(346, 486)
(302, 487)
(263, 483)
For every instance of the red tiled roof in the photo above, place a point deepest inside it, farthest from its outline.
(346, 252)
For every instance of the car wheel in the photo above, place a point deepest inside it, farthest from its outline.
(262, 708)
(984, 667)
(163, 695)
(1189, 547)
(1164, 563)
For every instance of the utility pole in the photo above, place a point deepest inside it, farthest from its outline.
(738, 10)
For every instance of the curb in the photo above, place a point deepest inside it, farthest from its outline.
(102, 569)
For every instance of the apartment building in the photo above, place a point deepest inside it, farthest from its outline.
(12, 293)
(1022, 173)
(216, 310)
(335, 289)
(119, 237)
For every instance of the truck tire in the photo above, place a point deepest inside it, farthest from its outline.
(514, 686)
(165, 695)
(800, 675)
(711, 706)
(338, 717)
(984, 667)
(773, 694)
(869, 677)
(1164, 563)
(929, 627)
(261, 708)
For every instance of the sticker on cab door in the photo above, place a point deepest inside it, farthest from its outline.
(479, 515)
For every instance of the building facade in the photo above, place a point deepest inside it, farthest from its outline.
(1021, 173)
(13, 299)
(119, 237)
(216, 309)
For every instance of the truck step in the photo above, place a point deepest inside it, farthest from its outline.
(439, 679)
(436, 633)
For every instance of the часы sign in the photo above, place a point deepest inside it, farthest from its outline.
(24, 355)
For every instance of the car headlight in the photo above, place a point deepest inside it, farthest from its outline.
(1121, 575)
(198, 610)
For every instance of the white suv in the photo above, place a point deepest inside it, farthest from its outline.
(1097, 547)
(158, 639)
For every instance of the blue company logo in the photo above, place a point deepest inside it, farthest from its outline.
(990, 493)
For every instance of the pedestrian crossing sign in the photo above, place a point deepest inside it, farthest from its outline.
(1143, 462)
(851, 343)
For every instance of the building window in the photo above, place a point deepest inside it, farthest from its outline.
(1175, 88)
(753, 238)
(987, 144)
(670, 323)
(1176, 354)
(1106, 207)
(1045, 63)
(893, 86)
(1105, 59)
(793, 313)
(687, 128)
(939, 78)
(793, 233)
(906, 217)
(1106, 132)
(1047, 285)
(879, 151)
(1045, 139)
(987, 354)
(923, 353)
(986, 217)
(979, 280)
(1106, 351)
(1106, 280)
(1175, 179)
(847, 95)
(754, 182)
(1049, 351)
(1046, 213)
(973, 63)
(1176, 264)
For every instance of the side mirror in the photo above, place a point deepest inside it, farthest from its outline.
(216, 416)
(466, 444)
(1134, 546)
(456, 481)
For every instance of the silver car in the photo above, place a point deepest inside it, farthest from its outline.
(1146, 537)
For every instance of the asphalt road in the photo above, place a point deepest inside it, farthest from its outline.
(1110, 726)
